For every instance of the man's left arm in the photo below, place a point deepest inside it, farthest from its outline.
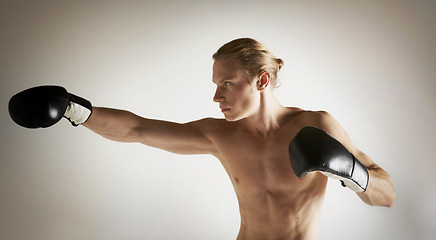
(380, 191)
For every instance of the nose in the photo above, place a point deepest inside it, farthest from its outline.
(218, 97)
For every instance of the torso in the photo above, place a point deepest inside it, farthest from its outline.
(273, 202)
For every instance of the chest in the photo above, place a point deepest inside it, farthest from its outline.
(257, 163)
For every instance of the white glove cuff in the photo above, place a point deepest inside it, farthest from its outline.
(77, 114)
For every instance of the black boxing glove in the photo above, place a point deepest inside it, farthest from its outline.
(312, 149)
(44, 106)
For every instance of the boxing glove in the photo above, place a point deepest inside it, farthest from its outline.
(44, 106)
(312, 149)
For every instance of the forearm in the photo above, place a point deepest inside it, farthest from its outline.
(380, 191)
(113, 124)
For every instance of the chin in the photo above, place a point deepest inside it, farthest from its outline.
(232, 118)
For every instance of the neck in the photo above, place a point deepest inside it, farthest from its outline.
(268, 117)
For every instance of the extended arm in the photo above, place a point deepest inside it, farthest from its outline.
(44, 106)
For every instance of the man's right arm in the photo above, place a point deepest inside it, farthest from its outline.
(44, 106)
(124, 126)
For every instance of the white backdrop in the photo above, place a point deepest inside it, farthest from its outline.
(371, 64)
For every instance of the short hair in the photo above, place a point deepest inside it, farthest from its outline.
(253, 57)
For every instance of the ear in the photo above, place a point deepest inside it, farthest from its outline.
(263, 81)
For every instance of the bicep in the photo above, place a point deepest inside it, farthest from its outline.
(186, 138)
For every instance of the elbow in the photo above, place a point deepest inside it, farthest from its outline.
(390, 200)
(390, 195)
(382, 192)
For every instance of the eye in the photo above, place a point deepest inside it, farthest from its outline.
(226, 84)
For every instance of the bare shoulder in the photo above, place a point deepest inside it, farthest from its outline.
(326, 122)
(301, 117)
(321, 119)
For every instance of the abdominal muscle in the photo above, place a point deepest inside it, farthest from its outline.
(286, 212)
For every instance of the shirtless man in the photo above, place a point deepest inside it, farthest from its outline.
(252, 142)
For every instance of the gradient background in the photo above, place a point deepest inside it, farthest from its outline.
(371, 64)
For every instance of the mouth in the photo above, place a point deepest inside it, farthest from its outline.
(225, 109)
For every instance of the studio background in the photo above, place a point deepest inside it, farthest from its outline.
(371, 64)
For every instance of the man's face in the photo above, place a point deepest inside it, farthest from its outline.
(237, 97)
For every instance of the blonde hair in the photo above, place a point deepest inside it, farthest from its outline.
(253, 57)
